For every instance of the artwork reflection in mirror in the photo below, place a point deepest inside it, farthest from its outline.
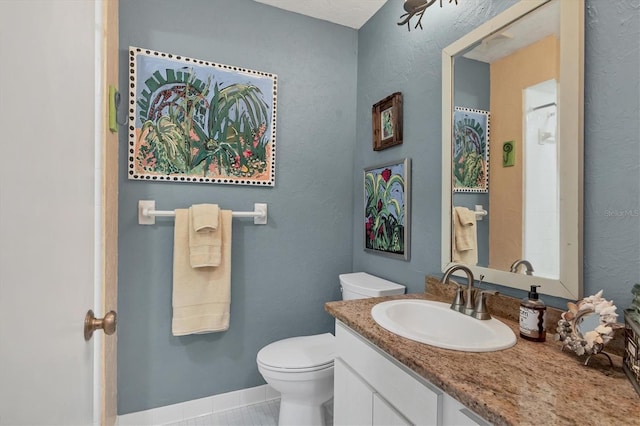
(470, 150)
(514, 73)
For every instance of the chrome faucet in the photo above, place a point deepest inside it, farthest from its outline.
(457, 303)
(481, 312)
(473, 306)
(527, 265)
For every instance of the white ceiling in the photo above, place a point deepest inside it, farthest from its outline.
(350, 13)
(535, 26)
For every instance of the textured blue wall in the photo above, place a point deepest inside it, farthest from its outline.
(282, 272)
(391, 59)
(612, 149)
(473, 90)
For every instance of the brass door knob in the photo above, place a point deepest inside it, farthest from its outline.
(91, 324)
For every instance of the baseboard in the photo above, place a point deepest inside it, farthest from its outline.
(199, 407)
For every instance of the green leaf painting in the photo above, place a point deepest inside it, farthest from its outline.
(386, 211)
(198, 121)
(470, 150)
(387, 123)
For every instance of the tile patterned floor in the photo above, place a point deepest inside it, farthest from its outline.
(263, 414)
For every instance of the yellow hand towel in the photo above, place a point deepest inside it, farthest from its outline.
(204, 235)
(202, 296)
(465, 245)
(205, 217)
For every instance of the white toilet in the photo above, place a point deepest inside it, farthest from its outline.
(301, 368)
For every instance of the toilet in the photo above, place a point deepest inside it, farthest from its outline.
(301, 368)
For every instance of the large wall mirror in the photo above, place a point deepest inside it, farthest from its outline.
(512, 111)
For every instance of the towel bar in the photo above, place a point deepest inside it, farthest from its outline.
(480, 212)
(147, 213)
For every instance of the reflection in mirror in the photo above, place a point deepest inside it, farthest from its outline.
(513, 73)
(586, 322)
(523, 71)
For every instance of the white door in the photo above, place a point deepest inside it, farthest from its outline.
(48, 242)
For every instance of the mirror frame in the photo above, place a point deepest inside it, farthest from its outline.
(570, 151)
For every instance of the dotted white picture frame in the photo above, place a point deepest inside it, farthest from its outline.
(133, 173)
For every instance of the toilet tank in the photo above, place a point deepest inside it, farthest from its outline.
(360, 285)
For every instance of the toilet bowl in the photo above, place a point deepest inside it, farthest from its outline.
(301, 368)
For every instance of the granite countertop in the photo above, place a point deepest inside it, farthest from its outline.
(529, 383)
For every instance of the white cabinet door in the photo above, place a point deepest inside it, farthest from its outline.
(417, 400)
(353, 399)
(386, 415)
(374, 389)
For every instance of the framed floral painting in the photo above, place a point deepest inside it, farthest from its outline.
(198, 121)
(387, 209)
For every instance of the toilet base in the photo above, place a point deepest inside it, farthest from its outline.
(295, 412)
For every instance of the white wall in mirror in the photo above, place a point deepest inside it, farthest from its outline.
(541, 218)
(562, 274)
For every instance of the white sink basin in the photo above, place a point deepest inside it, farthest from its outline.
(435, 324)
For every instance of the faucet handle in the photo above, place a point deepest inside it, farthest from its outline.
(458, 301)
(481, 311)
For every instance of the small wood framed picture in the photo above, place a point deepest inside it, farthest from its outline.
(387, 122)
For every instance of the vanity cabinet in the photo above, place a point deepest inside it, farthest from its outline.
(372, 388)
(385, 415)
(352, 399)
(357, 403)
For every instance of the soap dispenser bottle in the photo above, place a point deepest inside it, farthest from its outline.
(532, 316)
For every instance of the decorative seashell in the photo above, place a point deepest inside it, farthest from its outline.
(607, 310)
(593, 341)
(587, 306)
(602, 329)
(601, 304)
(591, 337)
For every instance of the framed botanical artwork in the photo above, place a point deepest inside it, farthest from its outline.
(470, 154)
(387, 209)
(198, 121)
(387, 122)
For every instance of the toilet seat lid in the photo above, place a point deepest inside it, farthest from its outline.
(298, 353)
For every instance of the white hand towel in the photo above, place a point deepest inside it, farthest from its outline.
(202, 296)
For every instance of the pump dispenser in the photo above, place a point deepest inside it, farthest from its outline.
(532, 316)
